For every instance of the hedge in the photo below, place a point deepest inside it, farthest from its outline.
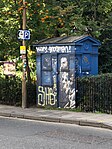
(11, 93)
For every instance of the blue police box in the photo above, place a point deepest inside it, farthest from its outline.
(59, 61)
(86, 56)
(85, 48)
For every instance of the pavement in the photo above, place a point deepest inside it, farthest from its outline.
(58, 116)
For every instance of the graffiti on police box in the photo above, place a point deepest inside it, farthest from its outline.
(46, 96)
(68, 90)
(53, 49)
(67, 84)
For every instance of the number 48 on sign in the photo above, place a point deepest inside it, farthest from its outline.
(24, 34)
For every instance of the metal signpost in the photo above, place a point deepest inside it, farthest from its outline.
(24, 89)
(24, 35)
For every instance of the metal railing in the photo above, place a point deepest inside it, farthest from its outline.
(94, 94)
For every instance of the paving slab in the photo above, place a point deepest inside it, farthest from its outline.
(58, 116)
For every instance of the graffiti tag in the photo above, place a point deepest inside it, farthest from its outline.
(53, 49)
(46, 96)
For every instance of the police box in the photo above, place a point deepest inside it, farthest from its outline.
(59, 61)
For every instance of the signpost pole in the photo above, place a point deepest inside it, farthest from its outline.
(24, 89)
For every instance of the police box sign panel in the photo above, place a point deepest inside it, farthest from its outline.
(24, 34)
(54, 49)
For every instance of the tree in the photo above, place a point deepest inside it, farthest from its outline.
(52, 18)
(9, 23)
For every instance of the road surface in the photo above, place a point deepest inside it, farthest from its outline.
(26, 134)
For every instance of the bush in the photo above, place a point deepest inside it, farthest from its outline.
(11, 91)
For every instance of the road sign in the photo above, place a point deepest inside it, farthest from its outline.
(22, 49)
(24, 34)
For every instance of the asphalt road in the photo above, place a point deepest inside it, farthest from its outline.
(26, 134)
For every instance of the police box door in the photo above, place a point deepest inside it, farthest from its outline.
(56, 80)
(66, 80)
(47, 80)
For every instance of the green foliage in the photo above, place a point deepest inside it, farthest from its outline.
(9, 25)
(105, 56)
(11, 93)
(31, 93)
(51, 18)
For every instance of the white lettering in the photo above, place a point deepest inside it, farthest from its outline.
(54, 49)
